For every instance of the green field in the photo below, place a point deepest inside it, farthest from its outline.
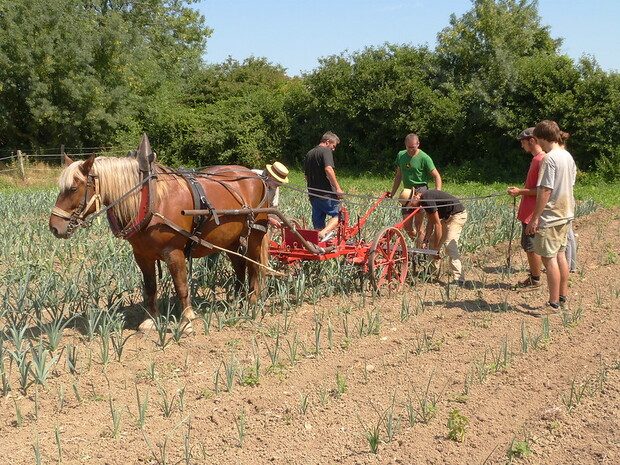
(602, 193)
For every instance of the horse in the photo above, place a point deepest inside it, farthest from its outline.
(116, 182)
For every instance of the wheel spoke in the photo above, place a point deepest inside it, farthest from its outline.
(388, 261)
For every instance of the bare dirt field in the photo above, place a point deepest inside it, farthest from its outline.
(389, 372)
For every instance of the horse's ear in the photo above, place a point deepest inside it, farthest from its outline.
(87, 165)
(66, 160)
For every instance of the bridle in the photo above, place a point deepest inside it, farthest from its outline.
(77, 218)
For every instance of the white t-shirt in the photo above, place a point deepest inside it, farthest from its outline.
(273, 191)
(557, 172)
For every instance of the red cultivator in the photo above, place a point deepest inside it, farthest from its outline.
(385, 260)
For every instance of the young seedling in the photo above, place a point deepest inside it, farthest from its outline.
(303, 403)
(274, 352)
(293, 347)
(167, 403)
(457, 426)
(390, 420)
(23, 368)
(330, 334)
(405, 310)
(206, 321)
(142, 408)
(161, 327)
(372, 434)
(41, 366)
(19, 418)
(240, 423)
(71, 358)
(318, 326)
(426, 407)
(36, 447)
(176, 329)
(104, 348)
(92, 321)
(181, 396)
(118, 342)
(116, 419)
(519, 449)
(341, 385)
(58, 443)
(76, 393)
(61, 398)
(575, 394)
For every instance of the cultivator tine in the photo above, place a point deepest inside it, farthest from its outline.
(431, 252)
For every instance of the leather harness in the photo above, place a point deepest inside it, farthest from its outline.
(200, 202)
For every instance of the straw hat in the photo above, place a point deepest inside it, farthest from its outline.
(405, 196)
(278, 171)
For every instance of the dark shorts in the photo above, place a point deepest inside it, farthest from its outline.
(322, 208)
(406, 210)
(527, 242)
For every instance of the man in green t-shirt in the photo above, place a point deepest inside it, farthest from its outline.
(415, 169)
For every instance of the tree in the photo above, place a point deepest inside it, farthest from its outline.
(372, 99)
(81, 72)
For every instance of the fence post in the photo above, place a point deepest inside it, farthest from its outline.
(62, 154)
(20, 162)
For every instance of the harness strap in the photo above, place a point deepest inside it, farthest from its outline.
(209, 245)
(259, 227)
(76, 217)
(200, 201)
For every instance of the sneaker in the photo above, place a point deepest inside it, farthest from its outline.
(328, 236)
(562, 299)
(550, 308)
(529, 283)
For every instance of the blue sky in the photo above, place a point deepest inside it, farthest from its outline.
(296, 33)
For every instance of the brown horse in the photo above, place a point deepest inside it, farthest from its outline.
(84, 183)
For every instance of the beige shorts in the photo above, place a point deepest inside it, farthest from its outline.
(549, 241)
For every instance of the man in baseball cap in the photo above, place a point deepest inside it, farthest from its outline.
(527, 205)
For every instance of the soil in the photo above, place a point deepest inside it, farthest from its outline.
(460, 348)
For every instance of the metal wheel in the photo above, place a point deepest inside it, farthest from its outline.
(388, 260)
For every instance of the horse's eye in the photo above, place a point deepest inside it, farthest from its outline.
(73, 188)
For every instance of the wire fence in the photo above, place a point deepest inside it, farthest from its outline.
(21, 161)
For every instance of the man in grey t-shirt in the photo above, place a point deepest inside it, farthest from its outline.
(555, 209)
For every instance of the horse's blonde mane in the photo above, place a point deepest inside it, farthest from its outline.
(116, 176)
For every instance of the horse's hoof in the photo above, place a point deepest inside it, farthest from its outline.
(187, 327)
(146, 325)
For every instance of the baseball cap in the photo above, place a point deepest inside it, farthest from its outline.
(526, 134)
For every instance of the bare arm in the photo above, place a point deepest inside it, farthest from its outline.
(437, 178)
(433, 226)
(544, 193)
(331, 176)
(516, 191)
(398, 177)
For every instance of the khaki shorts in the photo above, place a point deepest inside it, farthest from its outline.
(549, 241)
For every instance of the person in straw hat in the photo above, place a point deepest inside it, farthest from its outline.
(445, 215)
(274, 176)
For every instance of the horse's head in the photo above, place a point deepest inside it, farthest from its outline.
(78, 197)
